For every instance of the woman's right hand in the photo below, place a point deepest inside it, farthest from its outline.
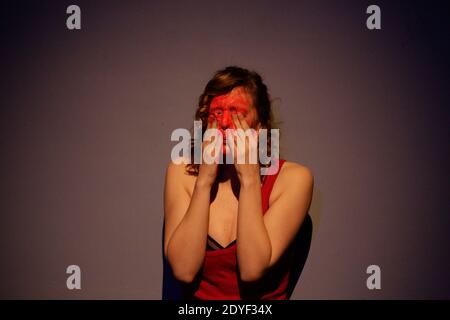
(208, 172)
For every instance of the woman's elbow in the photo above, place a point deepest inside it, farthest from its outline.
(251, 275)
(184, 277)
(181, 272)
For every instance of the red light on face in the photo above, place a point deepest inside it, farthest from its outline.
(222, 107)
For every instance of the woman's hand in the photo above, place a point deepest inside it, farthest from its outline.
(208, 172)
(248, 172)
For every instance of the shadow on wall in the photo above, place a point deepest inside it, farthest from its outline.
(171, 289)
(315, 210)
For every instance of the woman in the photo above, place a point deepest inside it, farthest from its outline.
(228, 229)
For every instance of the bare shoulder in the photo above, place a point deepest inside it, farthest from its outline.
(176, 167)
(176, 172)
(294, 171)
(293, 177)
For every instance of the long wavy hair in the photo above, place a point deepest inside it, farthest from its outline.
(223, 82)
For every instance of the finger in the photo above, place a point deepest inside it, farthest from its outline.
(236, 121)
(211, 125)
(240, 133)
(210, 122)
(240, 150)
(235, 149)
(242, 121)
(217, 134)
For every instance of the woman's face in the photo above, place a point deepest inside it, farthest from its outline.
(236, 101)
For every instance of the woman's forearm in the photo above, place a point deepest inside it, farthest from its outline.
(253, 242)
(186, 248)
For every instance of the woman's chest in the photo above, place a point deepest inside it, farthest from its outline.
(223, 215)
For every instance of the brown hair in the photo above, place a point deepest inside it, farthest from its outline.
(223, 82)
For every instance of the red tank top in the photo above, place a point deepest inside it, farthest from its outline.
(218, 279)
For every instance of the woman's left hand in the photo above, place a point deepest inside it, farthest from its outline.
(245, 151)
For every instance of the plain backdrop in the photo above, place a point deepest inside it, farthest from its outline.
(86, 118)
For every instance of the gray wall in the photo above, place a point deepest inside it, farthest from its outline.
(86, 118)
